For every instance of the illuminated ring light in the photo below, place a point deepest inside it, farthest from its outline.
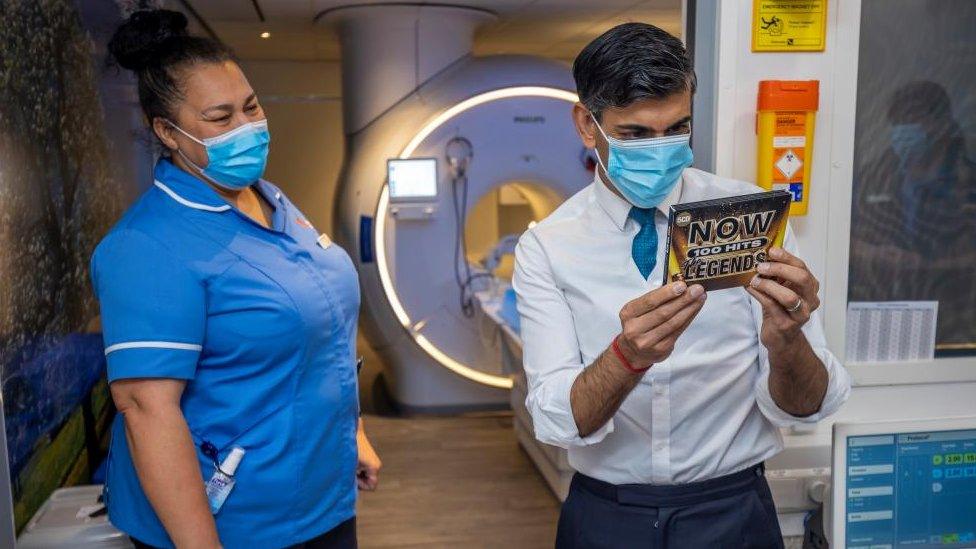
(386, 282)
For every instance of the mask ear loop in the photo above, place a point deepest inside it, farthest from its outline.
(190, 162)
(599, 127)
(179, 129)
(180, 151)
(596, 150)
(187, 159)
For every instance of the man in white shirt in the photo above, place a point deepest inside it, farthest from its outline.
(667, 400)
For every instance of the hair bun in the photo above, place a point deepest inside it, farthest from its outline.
(141, 39)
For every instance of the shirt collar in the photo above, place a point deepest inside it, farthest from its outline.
(187, 189)
(191, 192)
(619, 209)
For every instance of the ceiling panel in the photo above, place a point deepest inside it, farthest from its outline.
(224, 10)
(553, 28)
(296, 10)
(499, 6)
(288, 41)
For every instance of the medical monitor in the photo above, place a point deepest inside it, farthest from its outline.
(904, 484)
(412, 179)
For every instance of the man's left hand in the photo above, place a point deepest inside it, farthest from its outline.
(787, 291)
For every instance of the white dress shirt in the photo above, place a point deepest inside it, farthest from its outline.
(704, 412)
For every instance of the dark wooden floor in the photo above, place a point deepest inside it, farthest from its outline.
(454, 482)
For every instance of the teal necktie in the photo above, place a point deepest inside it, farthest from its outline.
(644, 248)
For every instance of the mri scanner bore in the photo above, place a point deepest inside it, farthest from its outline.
(483, 235)
(496, 135)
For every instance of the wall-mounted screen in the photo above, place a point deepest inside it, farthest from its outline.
(412, 179)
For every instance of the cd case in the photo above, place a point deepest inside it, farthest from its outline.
(718, 243)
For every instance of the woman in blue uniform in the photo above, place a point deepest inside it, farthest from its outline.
(229, 322)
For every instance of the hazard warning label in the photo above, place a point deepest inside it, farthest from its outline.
(789, 148)
(788, 164)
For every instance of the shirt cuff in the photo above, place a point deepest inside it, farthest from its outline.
(838, 389)
(152, 359)
(552, 413)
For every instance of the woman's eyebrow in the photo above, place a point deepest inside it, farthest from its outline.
(223, 107)
(227, 107)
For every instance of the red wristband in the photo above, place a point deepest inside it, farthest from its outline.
(623, 360)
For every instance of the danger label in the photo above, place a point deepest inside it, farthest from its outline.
(788, 164)
(789, 150)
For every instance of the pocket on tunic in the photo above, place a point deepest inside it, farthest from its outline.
(223, 445)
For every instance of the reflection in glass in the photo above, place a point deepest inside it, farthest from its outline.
(913, 225)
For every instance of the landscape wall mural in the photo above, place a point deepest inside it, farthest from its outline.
(70, 160)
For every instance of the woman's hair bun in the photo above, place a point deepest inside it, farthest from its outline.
(145, 36)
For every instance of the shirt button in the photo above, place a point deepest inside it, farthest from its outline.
(659, 446)
(659, 390)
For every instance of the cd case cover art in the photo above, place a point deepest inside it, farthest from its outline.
(718, 243)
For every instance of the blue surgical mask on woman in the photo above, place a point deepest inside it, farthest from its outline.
(235, 159)
(645, 171)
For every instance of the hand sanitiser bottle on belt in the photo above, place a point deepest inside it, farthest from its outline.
(222, 481)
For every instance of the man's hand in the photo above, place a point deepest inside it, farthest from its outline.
(787, 291)
(368, 468)
(650, 324)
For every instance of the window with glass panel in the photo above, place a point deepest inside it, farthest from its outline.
(913, 224)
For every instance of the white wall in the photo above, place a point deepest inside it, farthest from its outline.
(739, 71)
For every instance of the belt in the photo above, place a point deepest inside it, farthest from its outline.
(677, 495)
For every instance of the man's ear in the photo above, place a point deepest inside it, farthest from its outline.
(585, 125)
(164, 131)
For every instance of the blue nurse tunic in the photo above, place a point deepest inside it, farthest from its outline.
(262, 325)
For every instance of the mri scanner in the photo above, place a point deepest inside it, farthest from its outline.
(476, 125)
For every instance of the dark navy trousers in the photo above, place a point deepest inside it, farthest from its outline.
(734, 511)
(342, 536)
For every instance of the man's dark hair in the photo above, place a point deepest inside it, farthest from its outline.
(920, 101)
(630, 62)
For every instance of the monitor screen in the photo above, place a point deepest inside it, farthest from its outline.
(911, 490)
(412, 179)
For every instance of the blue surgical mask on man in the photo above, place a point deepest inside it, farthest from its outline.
(645, 171)
(910, 143)
(235, 159)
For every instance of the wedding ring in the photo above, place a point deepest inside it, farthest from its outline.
(795, 308)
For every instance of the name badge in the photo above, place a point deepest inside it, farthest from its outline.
(324, 241)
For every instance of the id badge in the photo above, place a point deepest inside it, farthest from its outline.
(324, 241)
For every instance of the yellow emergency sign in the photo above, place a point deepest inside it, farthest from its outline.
(789, 25)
